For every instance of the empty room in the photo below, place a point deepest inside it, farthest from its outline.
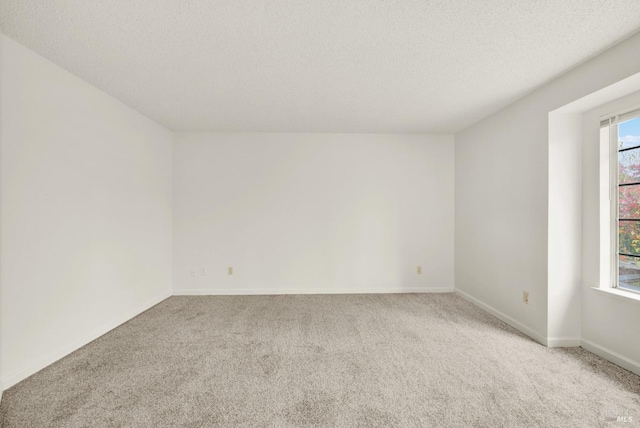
(280, 213)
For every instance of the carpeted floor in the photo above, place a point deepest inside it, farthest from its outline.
(412, 360)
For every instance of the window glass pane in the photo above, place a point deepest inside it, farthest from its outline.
(629, 160)
(629, 166)
(629, 202)
(629, 205)
(629, 237)
(629, 273)
(629, 133)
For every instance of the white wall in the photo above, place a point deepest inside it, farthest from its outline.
(312, 213)
(609, 323)
(565, 229)
(85, 208)
(501, 214)
(502, 181)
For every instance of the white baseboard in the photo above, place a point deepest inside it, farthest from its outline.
(614, 357)
(563, 342)
(496, 313)
(37, 365)
(272, 291)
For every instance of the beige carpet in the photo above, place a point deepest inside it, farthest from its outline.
(412, 360)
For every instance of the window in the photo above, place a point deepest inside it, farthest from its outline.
(622, 133)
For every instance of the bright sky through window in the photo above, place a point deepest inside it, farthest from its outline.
(629, 133)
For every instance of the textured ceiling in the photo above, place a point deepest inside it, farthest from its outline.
(318, 66)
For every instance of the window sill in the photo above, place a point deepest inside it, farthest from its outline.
(619, 294)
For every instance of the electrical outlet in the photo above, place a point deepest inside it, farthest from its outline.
(419, 270)
(192, 273)
(525, 297)
(230, 270)
(203, 271)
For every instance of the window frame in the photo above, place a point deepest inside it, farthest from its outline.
(613, 122)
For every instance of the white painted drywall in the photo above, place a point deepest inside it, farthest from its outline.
(501, 214)
(502, 181)
(85, 208)
(312, 213)
(608, 322)
(565, 229)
